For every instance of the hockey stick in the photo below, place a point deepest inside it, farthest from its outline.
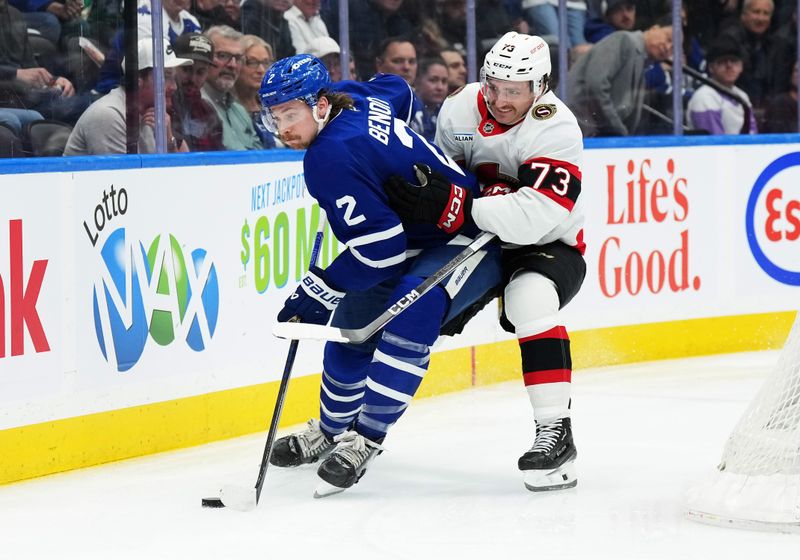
(296, 331)
(246, 499)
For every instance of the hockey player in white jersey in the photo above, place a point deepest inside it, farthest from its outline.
(525, 147)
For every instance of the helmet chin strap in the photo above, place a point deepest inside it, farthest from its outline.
(321, 121)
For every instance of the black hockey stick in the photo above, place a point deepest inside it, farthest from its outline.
(246, 499)
(297, 331)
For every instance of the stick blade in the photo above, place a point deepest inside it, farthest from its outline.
(307, 331)
(238, 498)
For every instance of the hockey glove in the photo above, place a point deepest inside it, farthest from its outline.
(434, 201)
(314, 299)
(496, 189)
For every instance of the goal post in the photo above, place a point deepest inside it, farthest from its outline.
(757, 483)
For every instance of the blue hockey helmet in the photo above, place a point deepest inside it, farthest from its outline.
(296, 77)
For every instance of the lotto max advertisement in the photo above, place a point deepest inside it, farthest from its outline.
(125, 288)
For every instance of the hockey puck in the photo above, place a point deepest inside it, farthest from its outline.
(212, 503)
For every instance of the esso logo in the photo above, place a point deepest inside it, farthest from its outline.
(773, 219)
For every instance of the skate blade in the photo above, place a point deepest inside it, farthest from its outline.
(324, 489)
(238, 498)
(558, 479)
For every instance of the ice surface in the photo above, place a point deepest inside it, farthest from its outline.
(446, 487)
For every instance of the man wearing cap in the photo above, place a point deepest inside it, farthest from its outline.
(305, 23)
(714, 111)
(618, 15)
(102, 129)
(328, 51)
(194, 119)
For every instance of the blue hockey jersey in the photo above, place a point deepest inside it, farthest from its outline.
(345, 169)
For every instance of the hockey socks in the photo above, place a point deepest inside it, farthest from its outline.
(547, 372)
(341, 392)
(400, 361)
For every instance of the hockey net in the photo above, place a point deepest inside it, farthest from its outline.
(757, 483)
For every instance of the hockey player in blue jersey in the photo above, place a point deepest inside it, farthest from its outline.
(356, 136)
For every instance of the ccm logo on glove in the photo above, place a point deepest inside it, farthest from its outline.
(453, 217)
(497, 189)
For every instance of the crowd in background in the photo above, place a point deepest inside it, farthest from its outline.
(61, 64)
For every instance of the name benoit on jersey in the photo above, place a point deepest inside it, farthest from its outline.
(379, 120)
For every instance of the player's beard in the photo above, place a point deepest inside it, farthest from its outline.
(507, 118)
(295, 142)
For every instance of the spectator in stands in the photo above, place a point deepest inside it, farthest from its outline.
(650, 12)
(265, 19)
(258, 58)
(371, 22)
(397, 56)
(492, 21)
(175, 16)
(781, 111)
(102, 128)
(705, 17)
(427, 35)
(237, 126)
(542, 17)
(176, 21)
(18, 119)
(659, 86)
(234, 10)
(215, 12)
(715, 111)
(328, 51)
(606, 85)
(456, 69)
(619, 15)
(431, 88)
(45, 15)
(194, 120)
(305, 23)
(767, 59)
(24, 84)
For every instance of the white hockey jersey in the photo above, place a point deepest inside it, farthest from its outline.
(541, 157)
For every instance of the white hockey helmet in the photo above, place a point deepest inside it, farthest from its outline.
(519, 58)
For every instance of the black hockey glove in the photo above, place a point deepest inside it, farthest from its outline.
(434, 201)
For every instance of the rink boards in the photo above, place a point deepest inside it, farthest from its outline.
(137, 293)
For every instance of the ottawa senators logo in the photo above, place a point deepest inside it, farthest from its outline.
(488, 127)
(543, 112)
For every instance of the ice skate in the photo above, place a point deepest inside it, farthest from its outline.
(301, 448)
(346, 464)
(550, 463)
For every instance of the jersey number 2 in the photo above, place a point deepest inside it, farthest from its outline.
(349, 204)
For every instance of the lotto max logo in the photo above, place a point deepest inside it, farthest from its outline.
(155, 293)
(773, 219)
